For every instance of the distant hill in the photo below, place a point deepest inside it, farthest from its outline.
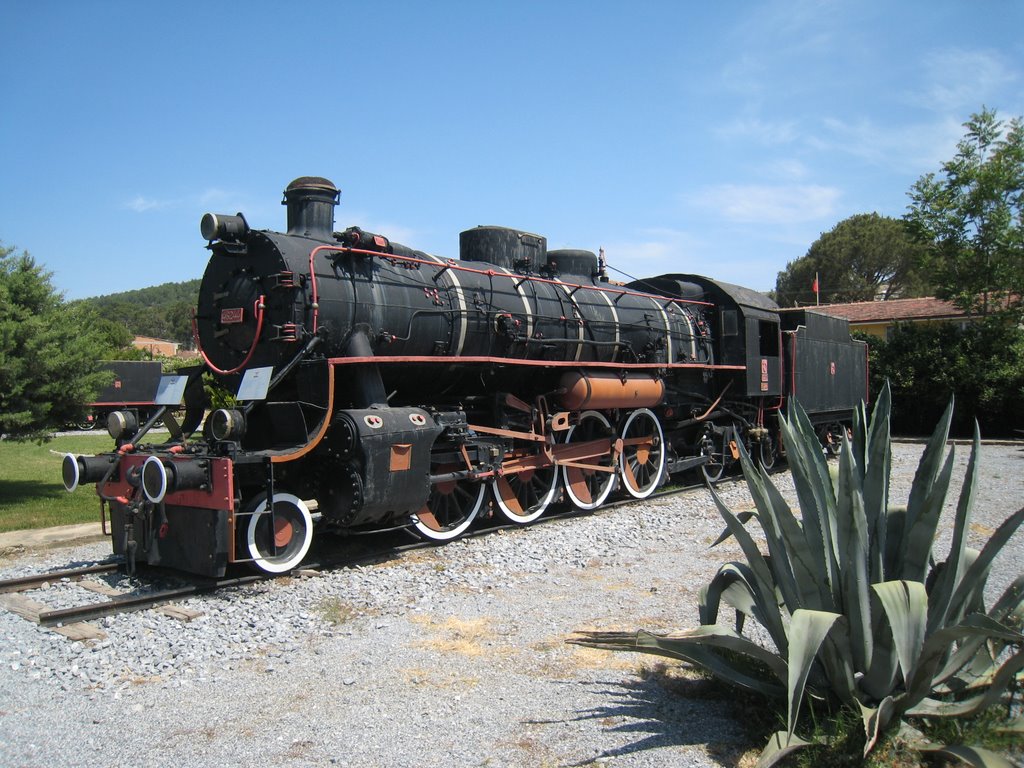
(158, 295)
(163, 311)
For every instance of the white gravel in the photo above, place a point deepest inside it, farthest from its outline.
(453, 656)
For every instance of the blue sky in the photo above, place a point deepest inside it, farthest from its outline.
(715, 138)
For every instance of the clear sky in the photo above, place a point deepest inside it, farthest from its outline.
(720, 138)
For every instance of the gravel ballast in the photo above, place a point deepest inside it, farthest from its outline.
(450, 656)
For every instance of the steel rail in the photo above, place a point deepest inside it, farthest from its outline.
(24, 583)
(130, 603)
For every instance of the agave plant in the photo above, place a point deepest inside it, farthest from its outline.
(858, 610)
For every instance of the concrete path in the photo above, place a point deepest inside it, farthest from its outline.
(49, 538)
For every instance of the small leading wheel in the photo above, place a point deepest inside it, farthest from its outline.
(712, 445)
(591, 475)
(281, 548)
(522, 497)
(642, 461)
(767, 452)
(451, 507)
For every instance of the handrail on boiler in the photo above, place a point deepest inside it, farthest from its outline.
(453, 264)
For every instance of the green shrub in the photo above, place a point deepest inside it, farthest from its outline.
(982, 366)
(859, 613)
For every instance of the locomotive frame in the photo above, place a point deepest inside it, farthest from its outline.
(380, 387)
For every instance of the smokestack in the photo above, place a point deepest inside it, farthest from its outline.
(311, 201)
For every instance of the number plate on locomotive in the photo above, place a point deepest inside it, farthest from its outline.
(230, 316)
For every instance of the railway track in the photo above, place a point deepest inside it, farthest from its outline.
(11, 590)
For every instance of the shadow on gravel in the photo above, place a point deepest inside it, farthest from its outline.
(662, 710)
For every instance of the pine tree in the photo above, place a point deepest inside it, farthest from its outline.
(48, 351)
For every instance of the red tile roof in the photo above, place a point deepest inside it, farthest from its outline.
(927, 308)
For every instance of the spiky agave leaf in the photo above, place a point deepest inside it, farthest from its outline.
(973, 658)
(783, 568)
(924, 479)
(906, 607)
(733, 584)
(816, 498)
(977, 572)
(837, 660)
(744, 665)
(815, 592)
(919, 533)
(876, 471)
(807, 631)
(780, 746)
(763, 582)
(952, 572)
(744, 517)
(920, 681)
(876, 720)
(859, 433)
(993, 689)
(852, 544)
(811, 445)
(882, 676)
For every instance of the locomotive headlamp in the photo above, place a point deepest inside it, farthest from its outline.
(154, 479)
(219, 226)
(122, 424)
(227, 424)
(163, 476)
(76, 470)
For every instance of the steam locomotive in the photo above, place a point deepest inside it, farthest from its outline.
(379, 387)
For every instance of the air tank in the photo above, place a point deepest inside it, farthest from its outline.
(599, 390)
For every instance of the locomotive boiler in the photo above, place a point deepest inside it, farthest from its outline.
(378, 387)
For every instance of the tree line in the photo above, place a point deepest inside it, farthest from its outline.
(161, 312)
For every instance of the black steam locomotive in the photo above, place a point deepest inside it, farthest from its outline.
(380, 387)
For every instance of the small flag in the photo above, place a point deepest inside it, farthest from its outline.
(814, 285)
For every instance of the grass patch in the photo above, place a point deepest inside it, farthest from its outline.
(340, 612)
(845, 735)
(31, 492)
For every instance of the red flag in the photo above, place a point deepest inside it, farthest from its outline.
(814, 285)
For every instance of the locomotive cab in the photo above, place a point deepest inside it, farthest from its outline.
(749, 335)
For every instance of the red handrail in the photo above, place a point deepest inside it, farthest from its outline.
(258, 308)
(452, 264)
